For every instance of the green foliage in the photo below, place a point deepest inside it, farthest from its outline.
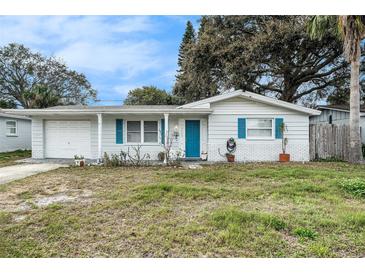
(230, 217)
(8, 158)
(320, 250)
(150, 95)
(115, 160)
(158, 192)
(31, 79)
(242, 210)
(42, 97)
(355, 186)
(305, 233)
(187, 42)
(5, 103)
(247, 52)
(194, 80)
(5, 217)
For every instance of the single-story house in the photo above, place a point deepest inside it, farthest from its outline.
(197, 128)
(338, 115)
(15, 132)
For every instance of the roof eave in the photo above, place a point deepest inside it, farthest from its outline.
(34, 112)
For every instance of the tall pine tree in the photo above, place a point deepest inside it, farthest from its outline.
(194, 79)
(187, 43)
(185, 49)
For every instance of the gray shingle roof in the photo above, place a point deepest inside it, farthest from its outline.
(340, 107)
(76, 107)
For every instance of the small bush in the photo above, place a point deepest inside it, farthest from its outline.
(354, 186)
(305, 233)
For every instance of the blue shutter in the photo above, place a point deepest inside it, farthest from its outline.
(242, 128)
(278, 123)
(119, 131)
(162, 126)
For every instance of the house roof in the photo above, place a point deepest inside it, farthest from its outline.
(254, 97)
(6, 115)
(198, 107)
(345, 108)
(132, 109)
(83, 107)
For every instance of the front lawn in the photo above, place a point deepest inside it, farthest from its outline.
(9, 158)
(251, 210)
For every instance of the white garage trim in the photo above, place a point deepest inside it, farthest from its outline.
(64, 139)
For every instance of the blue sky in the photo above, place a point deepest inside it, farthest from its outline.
(116, 53)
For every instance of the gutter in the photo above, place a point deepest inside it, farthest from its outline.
(121, 111)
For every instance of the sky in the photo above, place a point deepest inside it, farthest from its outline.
(116, 53)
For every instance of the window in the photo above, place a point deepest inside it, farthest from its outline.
(11, 128)
(142, 132)
(330, 119)
(134, 131)
(259, 128)
(150, 132)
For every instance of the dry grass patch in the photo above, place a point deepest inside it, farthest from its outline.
(252, 210)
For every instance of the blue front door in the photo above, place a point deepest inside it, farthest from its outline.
(192, 138)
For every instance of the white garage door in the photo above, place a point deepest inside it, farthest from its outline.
(64, 139)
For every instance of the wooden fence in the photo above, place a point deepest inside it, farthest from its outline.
(329, 141)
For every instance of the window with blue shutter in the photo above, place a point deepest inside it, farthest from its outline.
(119, 131)
(242, 128)
(278, 123)
(162, 126)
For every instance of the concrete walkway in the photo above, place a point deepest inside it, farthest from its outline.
(15, 172)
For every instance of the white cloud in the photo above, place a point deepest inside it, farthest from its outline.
(65, 29)
(98, 43)
(117, 53)
(127, 58)
(124, 89)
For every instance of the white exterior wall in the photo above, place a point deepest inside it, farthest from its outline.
(216, 128)
(223, 125)
(37, 138)
(21, 141)
(109, 144)
(109, 135)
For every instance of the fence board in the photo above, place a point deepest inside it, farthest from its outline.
(329, 141)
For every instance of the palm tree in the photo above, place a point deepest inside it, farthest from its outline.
(351, 29)
(41, 97)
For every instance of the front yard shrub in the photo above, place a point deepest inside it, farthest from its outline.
(354, 186)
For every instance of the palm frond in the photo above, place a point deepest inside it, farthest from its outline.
(321, 25)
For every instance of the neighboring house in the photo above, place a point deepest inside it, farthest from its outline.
(15, 132)
(200, 127)
(338, 115)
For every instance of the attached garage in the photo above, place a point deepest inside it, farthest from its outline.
(64, 139)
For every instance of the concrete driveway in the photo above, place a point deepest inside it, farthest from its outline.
(15, 172)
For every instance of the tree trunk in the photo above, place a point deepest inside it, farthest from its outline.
(355, 141)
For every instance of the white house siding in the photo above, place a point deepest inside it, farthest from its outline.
(223, 124)
(39, 141)
(109, 144)
(37, 138)
(109, 134)
(21, 141)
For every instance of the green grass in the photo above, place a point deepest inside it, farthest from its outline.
(303, 233)
(251, 210)
(9, 158)
(355, 186)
